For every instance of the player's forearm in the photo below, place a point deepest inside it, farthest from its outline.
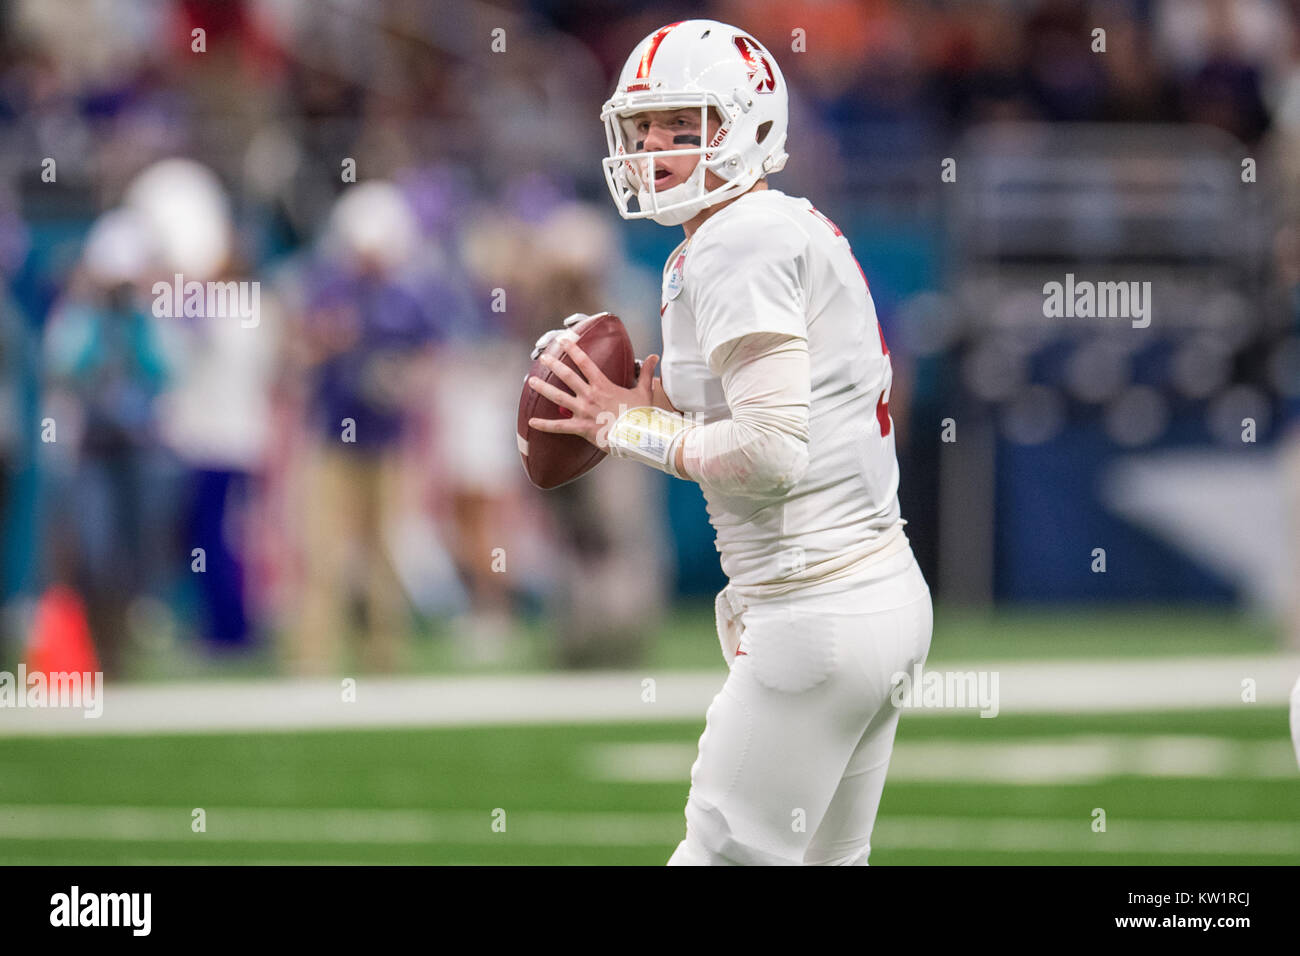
(761, 454)
(763, 448)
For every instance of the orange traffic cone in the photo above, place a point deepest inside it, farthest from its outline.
(60, 640)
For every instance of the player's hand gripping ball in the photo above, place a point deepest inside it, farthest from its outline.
(581, 380)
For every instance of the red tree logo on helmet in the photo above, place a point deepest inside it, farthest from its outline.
(760, 70)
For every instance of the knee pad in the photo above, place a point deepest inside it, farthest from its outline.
(709, 836)
(854, 857)
(691, 852)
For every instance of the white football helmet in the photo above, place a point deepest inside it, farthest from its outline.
(186, 207)
(696, 63)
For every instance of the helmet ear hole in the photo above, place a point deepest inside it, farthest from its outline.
(763, 129)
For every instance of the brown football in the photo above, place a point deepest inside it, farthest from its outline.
(552, 460)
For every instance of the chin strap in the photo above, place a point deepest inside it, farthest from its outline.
(675, 217)
(649, 435)
(690, 193)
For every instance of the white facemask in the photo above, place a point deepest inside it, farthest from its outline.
(691, 189)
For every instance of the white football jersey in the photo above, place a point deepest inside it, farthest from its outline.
(769, 262)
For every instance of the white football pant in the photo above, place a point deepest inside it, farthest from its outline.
(795, 748)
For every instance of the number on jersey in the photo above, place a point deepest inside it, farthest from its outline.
(882, 405)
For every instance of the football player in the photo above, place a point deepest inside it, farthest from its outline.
(773, 395)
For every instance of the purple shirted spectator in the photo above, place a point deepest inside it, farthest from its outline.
(371, 326)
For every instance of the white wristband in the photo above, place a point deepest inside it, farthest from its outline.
(647, 434)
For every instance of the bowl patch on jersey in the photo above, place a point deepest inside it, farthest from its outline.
(676, 277)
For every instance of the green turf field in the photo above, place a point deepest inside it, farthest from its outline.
(1177, 787)
(429, 796)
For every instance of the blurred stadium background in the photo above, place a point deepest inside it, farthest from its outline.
(179, 511)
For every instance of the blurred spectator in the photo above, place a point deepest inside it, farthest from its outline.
(556, 257)
(106, 366)
(215, 415)
(364, 341)
(14, 357)
(1221, 57)
(608, 527)
(486, 359)
(1063, 72)
(978, 65)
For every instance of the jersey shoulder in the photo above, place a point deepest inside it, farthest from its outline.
(760, 226)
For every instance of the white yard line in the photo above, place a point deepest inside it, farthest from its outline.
(190, 860)
(317, 826)
(1037, 687)
(1019, 761)
(394, 827)
(1214, 837)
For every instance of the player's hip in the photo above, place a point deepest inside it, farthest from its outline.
(799, 642)
(872, 572)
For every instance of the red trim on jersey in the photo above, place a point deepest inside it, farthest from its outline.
(648, 56)
(826, 219)
(882, 404)
(816, 212)
(861, 273)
